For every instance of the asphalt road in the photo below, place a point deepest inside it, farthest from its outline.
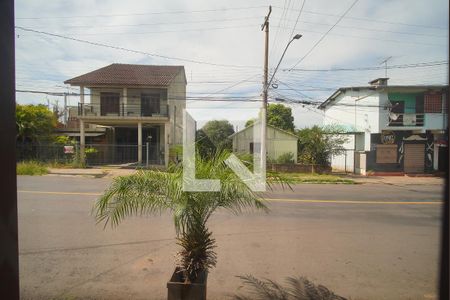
(368, 241)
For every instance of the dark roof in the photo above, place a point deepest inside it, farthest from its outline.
(129, 75)
(374, 88)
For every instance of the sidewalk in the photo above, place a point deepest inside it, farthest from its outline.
(397, 180)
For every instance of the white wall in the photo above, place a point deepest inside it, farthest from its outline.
(278, 142)
(345, 161)
(358, 111)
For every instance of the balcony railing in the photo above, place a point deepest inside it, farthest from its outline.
(122, 110)
(406, 120)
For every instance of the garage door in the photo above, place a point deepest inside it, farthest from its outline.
(414, 158)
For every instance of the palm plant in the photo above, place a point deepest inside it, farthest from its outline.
(151, 192)
(297, 288)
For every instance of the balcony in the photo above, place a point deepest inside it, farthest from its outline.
(406, 120)
(122, 110)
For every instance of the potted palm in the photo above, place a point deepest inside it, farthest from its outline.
(150, 192)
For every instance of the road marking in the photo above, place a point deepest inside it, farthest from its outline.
(269, 199)
(353, 201)
(61, 193)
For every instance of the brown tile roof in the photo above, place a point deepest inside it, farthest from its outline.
(128, 75)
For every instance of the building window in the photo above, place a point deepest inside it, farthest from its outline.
(386, 154)
(109, 104)
(433, 103)
(150, 104)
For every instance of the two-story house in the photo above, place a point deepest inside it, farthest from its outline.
(394, 129)
(140, 105)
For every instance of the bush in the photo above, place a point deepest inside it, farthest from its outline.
(285, 158)
(31, 168)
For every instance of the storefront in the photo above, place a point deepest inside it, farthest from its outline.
(403, 152)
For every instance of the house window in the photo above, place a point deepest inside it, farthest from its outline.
(150, 104)
(109, 104)
(386, 154)
(433, 103)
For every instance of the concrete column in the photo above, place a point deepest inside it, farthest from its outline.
(82, 99)
(166, 143)
(125, 101)
(140, 142)
(436, 157)
(82, 142)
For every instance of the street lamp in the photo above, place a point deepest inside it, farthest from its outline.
(296, 37)
(265, 96)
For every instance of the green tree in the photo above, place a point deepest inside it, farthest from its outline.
(317, 144)
(34, 123)
(204, 145)
(250, 122)
(279, 116)
(151, 192)
(214, 136)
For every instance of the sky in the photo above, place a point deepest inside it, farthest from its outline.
(221, 45)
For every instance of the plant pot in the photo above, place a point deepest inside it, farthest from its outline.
(177, 289)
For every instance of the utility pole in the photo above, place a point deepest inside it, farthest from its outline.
(265, 27)
(65, 110)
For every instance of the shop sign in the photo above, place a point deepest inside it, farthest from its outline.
(68, 149)
(387, 137)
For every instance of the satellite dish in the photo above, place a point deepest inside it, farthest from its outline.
(393, 116)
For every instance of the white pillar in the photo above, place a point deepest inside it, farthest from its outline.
(82, 141)
(140, 142)
(166, 143)
(125, 101)
(436, 157)
(82, 99)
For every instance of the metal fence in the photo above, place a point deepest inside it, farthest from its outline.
(44, 152)
(96, 154)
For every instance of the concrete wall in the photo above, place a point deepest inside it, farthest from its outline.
(345, 162)
(278, 142)
(176, 96)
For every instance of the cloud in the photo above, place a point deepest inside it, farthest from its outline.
(201, 30)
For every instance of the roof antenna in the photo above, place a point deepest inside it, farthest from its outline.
(385, 61)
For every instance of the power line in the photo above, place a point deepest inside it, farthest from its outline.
(325, 34)
(159, 23)
(377, 39)
(131, 50)
(376, 20)
(296, 21)
(371, 68)
(251, 98)
(167, 31)
(140, 14)
(274, 41)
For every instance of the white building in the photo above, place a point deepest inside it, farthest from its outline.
(279, 142)
(397, 129)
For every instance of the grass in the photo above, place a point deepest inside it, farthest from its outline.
(66, 165)
(31, 168)
(316, 178)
